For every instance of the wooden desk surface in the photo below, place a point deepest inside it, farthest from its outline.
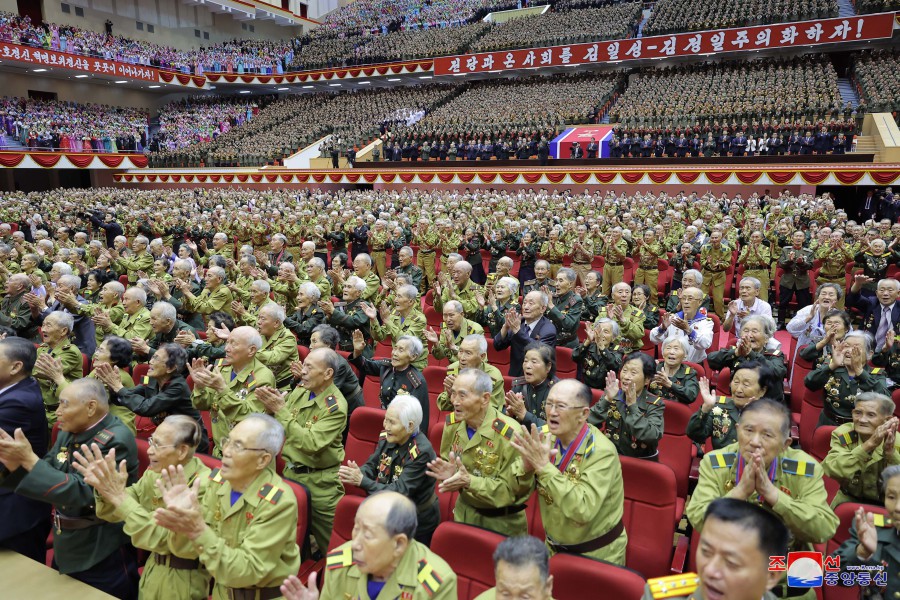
(25, 579)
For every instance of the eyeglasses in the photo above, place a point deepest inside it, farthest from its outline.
(238, 446)
(156, 445)
(548, 406)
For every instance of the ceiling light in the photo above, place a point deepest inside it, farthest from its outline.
(38, 70)
(152, 87)
(121, 81)
(281, 89)
(393, 80)
(81, 76)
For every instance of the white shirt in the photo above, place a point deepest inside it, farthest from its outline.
(702, 333)
(760, 307)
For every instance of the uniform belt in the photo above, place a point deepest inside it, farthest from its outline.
(426, 251)
(829, 411)
(500, 512)
(584, 547)
(582, 263)
(304, 470)
(262, 593)
(612, 264)
(176, 562)
(716, 270)
(74, 523)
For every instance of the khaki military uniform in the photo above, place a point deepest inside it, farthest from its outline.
(131, 265)
(72, 363)
(582, 257)
(498, 393)
(441, 350)
(685, 586)
(427, 242)
(130, 326)
(554, 253)
(715, 262)
(614, 267)
(495, 498)
(209, 302)
(231, 406)
(420, 575)
(165, 575)
(856, 470)
(250, 316)
(634, 430)
(834, 267)
(250, 544)
(277, 353)
(313, 451)
(379, 240)
(647, 272)
(396, 327)
(466, 296)
(757, 262)
(631, 327)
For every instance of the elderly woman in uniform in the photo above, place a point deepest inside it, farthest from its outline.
(674, 380)
(399, 464)
(525, 402)
(599, 354)
(754, 344)
(835, 325)
(308, 315)
(808, 325)
(500, 299)
(398, 376)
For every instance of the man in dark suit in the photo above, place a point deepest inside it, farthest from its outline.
(110, 227)
(518, 331)
(875, 309)
(869, 206)
(24, 523)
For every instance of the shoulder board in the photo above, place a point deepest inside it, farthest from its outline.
(722, 460)
(616, 347)
(848, 438)
(797, 467)
(145, 380)
(331, 404)
(877, 370)
(773, 353)
(723, 399)
(382, 435)
(529, 282)
(882, 521)
(216, 476)
(414, 380)
(687, 370)
(270, 493)
(414, 450)
(339, 559)
(104, 436)
(674, 292)
(428, 579)
(503, 428)
(545, 429)
(673, 585)
(451, 418)
(518, 381)
(219, 362)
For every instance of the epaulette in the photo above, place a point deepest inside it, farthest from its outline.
(270, 493)
(616, 348)
(429, 580)
(529, 282)
(414, 450)
(104, 436)
(219, 362)
(773, 353)
(503, 428)
(331, 404)
(216, 476)
(877, 370)
(251, 381)
(451, 418)
(339, 558)
(673, 585)
(797, 467)
(882, 521)
(414, 379)
(145, 380)
(848, 438)
(723, 399)
(382, 435)
(674, 293)
(722, 460)
(687, 370)
(518, 381)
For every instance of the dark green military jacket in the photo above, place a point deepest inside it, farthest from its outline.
(53, 480)
(595, 363)
(535, 396)
(565, 315)
(840, 390)
(685, 386)
(635, 430)
(720, 424)
(15, 313)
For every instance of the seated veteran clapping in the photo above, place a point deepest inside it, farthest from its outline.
(691, 323)
(754, 344)
(861, 450)
(502, 296)
(674, 380)
(525, 402)
(632, 415)
(844, 376)
(172, 446)
(399, 464)
(717, 419)
(599, 354)
(835, 326)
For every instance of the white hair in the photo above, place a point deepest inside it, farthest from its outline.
(409, 410)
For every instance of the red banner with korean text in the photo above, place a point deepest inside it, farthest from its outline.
(63, 60)
(763, 37)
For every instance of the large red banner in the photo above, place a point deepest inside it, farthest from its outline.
(782, 35)
(51, 58)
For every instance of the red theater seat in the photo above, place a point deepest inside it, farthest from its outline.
(366, 424)
(574, 575)
(469, 552)
(650, 498)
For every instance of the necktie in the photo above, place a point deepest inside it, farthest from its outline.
(883, 326)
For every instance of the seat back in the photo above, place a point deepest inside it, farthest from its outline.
(469, 552)
(845, 513)
(533, 515)
(565, 366)
(574, 575)
(344, 515)
(434, 379)
(810, 409)
(143, 459)
(304, 516)
(649, 516)
(433, 318)
(723, 382)
(210, 461)
(139, 372)
(821, 443)
(366, 424)
(801, 369)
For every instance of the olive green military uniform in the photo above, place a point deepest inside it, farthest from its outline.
(449, 244)
(855, 469)
(719, 424)
(536, 285)
(209, 302)
(396, 327)
(885, 561)
(80, 540)
(176, 299)
(570, 495)
(466, 296)
(634, 430)
(231, 406)
(685, 385)
(441, 350)
(614, 267)
(647, 272)
(534, 397)
(324, 286)
(631, 327)
(596, 363)
(313, 451)
(834, 267)
(277, 353)
(684, 586)
(757, 262)
(250, 544)
(379, 240)
(714, 262)
(132, 264)
(841, 389)
(250, 316)
(420, 575)
(498, 393)
(241, 288)
(566, 315)
(427, 242)
(302, 323)
(165, 575)
(15, 313)
(403, 468)
(285, 292)
(554, 253)
(130, 326)
(582, 257)
(495, 498)
(72, 363)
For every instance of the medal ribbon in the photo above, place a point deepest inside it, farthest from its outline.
(740, 470)
(573, 448)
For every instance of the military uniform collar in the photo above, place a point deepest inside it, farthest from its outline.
(244, 373)
(279, 334)
(320, 398)
(249, 496)
(87, 434)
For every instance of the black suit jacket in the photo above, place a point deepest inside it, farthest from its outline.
(22, 406)
(871, 310)
(544, 332)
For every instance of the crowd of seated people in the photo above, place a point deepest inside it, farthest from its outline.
(877, 76)
(671, 16)
(73, 127)
(484, 122)
(557, 28)
(875, 6)
(187, 280)
(203, 119)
